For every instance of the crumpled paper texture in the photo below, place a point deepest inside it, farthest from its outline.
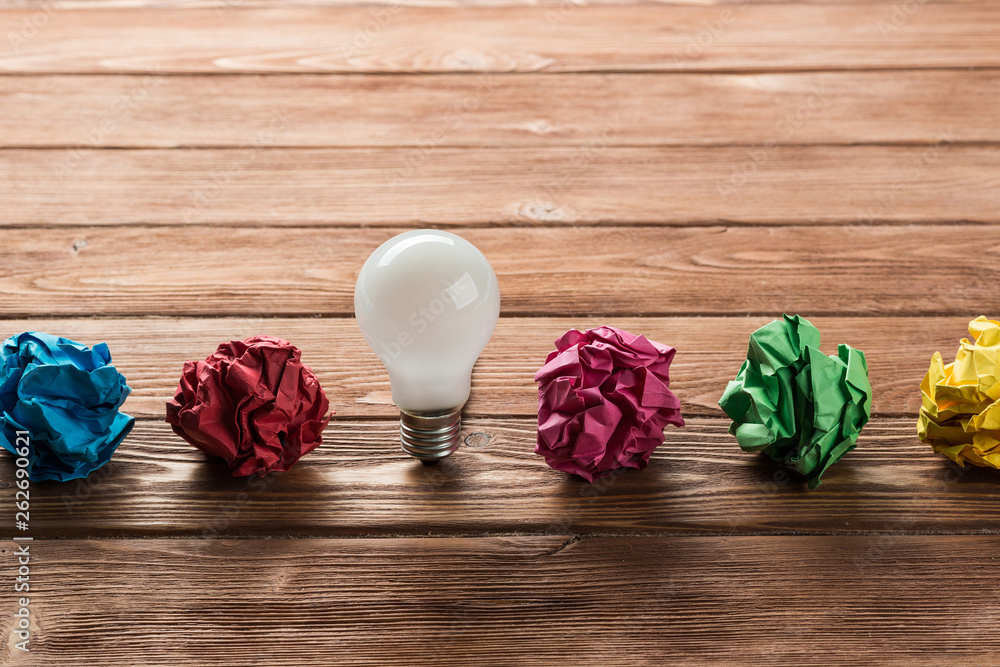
(960, 413)
(252, 403)
(796, 404)
(603, 402)
(67, 397)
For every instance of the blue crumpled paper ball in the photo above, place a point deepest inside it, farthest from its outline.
(67, 397)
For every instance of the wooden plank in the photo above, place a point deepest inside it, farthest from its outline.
(221, 7)
(359, 482)
(502, 186)
(526, 110)
(501, 39)
(151, 352)
(512, 601)
(614, 272)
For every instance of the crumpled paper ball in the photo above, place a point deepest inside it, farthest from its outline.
(603, 402)
(67, 397)
(252, 403)
(796, 404)
(960, 414)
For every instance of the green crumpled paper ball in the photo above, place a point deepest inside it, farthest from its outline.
(796, 404)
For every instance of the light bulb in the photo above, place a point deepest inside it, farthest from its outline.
(427, 302)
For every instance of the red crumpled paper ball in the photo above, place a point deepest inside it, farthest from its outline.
(252, 403)
(603, 402)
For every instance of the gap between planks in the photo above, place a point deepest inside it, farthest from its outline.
(513, 600)
(359, 483)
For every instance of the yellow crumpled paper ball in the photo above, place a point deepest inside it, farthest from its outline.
(960, 415)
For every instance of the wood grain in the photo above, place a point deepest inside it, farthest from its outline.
(222, 8)
(609, 273)
(686, 169)
(151, 353)
(513, 600)
(503, 186)
(517, 110)
(504, 39)
(359, 482)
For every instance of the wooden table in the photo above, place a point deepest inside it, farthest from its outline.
(177, 174)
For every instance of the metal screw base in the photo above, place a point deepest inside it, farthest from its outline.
(430, 436)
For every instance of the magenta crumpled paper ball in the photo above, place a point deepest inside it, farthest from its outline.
(603, 402)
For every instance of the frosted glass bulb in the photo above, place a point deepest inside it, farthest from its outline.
(427, 302)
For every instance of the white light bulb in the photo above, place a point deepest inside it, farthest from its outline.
(427, 302)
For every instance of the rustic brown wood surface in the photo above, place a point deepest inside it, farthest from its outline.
(175, 174)
(151, 353)
(292, 39)
(878, 270)
(519, 600)
(528, 110)
(359, 483)
(591, 184)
